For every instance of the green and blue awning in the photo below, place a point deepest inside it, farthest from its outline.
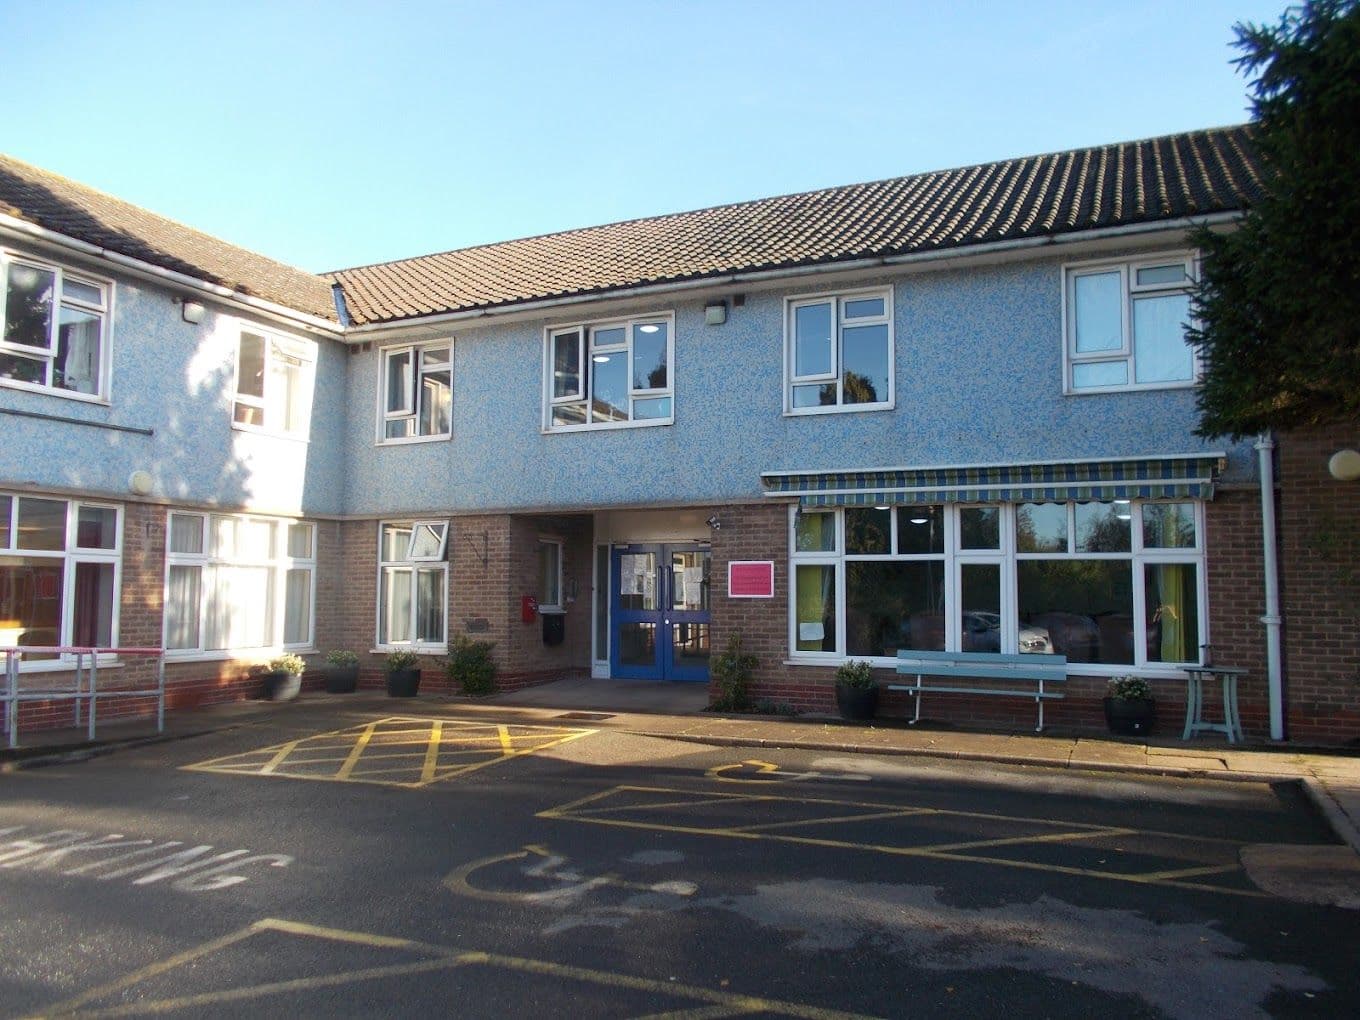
(1188, 476)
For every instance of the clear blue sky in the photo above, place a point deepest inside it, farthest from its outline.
(337, 134)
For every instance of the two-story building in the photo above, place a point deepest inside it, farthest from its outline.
(948, 411)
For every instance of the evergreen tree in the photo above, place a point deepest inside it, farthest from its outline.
(1278, 304)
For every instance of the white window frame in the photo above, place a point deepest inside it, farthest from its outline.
(1008, 557)
(839, 323)
(1127, 268)
(276, 344)
(557, 544)
(412, 564)
(588, 328)
(71, 555)
(104, 310)
(279, 561)
(410, 408)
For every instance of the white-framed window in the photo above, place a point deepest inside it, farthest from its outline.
(1125, 322)
(1114, 585)
(609, 374)
(415, 393)
(413, 584)
(838, 352)
(60, 573)
(275, 375)
(237, 582)
(53, 328)
(550, 575)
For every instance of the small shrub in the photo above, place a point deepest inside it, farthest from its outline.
(470, 665)
(856, 675)
(341, 657)
(401, 659)
(1129, 688)
(287, 663)
(732, 669)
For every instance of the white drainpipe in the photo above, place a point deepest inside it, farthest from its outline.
(1265, 449)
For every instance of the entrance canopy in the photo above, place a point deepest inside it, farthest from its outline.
(1185, 476)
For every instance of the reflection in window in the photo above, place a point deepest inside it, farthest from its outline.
(273, 383)
(610, 373)
(417, 392)
(1086, 606)
(51, 328)
(893, 604)
(839, 352)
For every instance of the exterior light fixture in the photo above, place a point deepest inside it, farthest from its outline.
(192, 312)
(714, 523)
(715, 313)
(140, 483)
(1344, 465)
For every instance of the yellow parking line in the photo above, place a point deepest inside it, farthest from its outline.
(506, 746)
(356, 752)
(432, 752)
(1048, 837)
(904, 813)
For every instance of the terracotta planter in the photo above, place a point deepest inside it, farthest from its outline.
(856, 702)
(1130, 717)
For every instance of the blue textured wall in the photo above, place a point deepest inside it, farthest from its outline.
(978, 379)
(176, 378)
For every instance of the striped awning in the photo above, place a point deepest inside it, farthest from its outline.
(1186, 476)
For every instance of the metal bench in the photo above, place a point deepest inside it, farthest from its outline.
(1036, 670)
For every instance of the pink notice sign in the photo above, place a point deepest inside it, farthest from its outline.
(750, 579)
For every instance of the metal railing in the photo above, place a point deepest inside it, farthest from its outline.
(81, 688)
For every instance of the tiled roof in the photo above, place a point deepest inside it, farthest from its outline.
(75, 210)
(1190, 174)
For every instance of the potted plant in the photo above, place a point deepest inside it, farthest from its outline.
(342, 672)
(283, 678)
(403, 674)
(856, 692)
(470, 665)
(1129, 706)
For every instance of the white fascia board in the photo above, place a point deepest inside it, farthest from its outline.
(967, 253)
(22, 230)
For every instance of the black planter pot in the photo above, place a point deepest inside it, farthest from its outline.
(403, 683)
(342, 679)
(856, 702)
(281, 686)
(1130, 717)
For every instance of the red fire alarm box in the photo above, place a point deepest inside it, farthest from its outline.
(528, 608)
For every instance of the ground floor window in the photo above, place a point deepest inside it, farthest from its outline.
(238, 582)
(413, 584)
(1116, 583)
(60, 562)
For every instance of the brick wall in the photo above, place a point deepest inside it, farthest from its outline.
(1237, 600)
(1319, 525)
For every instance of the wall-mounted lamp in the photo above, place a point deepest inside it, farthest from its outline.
(715, 313)
(140, 483)
(714, 523)
(192, 312)
(1345, 465)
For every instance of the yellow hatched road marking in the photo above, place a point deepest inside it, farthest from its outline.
(440, 958)
(357, 752)
(506, 746)
(432, 752)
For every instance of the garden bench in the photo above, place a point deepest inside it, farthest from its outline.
(1032, 671)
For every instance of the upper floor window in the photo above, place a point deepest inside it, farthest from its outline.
(1126, 324)
(416, 399)
(838, 352)
(609, 373)
(53, 332)
(273, 383)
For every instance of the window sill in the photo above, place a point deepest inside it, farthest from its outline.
(1095, 391)
(607, 426)
(1074, 669)
(802, 412)
(253, 430)
(414, 440)
(236, 653)
(418, 649)
(60, 394)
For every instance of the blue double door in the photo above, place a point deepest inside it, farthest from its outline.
(659, 612)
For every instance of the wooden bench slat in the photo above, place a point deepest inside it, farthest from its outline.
(985, 672)
(1012, 692)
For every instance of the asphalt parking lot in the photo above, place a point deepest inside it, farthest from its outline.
(361, 863)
